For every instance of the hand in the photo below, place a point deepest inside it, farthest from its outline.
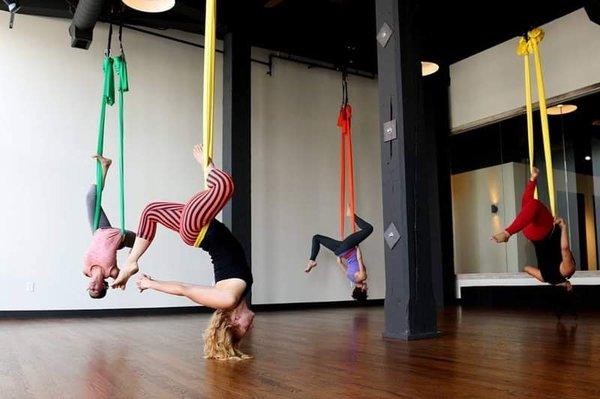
(560, 222)
(144, 282)
(198, 154)
(535, 172)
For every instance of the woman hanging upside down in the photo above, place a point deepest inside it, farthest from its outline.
(549, 236)
(232, 318)
(349, 256)
(100, 260)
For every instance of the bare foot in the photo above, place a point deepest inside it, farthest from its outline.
(535, 172)
(124, 275)
(104, 162)
(501, 237)
(349, 211)
(198, 152)
(311, 264)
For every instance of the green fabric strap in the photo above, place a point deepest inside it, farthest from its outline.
(108, 98)
(121, 68)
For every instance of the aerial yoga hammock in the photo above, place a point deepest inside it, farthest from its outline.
(548, 233)
(195, 223)
(347, 251)
(100, 260)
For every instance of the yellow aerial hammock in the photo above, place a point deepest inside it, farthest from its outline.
(210, 40)
(529, 44)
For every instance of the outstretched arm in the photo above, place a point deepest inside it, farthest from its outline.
(212, 297)
(568, 263)
(564, 237)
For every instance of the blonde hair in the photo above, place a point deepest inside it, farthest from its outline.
(219, 340)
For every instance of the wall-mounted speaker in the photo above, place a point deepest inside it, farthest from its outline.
(592, 7)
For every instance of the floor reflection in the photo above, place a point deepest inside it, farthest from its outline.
(109, 375)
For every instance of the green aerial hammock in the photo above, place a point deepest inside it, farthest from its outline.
(110, 66)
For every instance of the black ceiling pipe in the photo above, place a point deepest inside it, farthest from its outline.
(84, 20)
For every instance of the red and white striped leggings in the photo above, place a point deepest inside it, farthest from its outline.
(188, 219)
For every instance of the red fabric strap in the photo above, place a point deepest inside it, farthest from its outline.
(346, 166)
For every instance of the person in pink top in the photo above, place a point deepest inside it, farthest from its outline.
(100, 259)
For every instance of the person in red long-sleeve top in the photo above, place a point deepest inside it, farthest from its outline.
(549, 236)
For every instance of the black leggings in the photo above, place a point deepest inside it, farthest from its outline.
(104, 223)
(339, 247)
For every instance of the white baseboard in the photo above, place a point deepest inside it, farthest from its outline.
(517, 279)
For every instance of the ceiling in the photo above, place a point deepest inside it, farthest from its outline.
(322, 29)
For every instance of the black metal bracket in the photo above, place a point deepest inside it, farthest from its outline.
(13, 7)
(310, 64)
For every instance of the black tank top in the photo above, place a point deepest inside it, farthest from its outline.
(227, 254)
(549, 256)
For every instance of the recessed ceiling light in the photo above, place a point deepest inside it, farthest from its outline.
(562, 109)
(429, 68)
(588, 158)
(150, 5)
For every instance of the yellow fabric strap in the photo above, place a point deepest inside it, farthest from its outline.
(210, 39)
(201, 235)
(545, 126)
(208, 123)
(529, 107)
(525, 48)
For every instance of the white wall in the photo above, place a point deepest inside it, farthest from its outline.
(49, 123)
(295, 177)
(48, 128)
(491, 82)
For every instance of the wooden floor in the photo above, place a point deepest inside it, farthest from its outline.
(304, 354)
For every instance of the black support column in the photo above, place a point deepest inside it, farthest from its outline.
(409, 175)
(236, 122)
(437, 121)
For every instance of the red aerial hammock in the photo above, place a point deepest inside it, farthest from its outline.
(346, 159)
